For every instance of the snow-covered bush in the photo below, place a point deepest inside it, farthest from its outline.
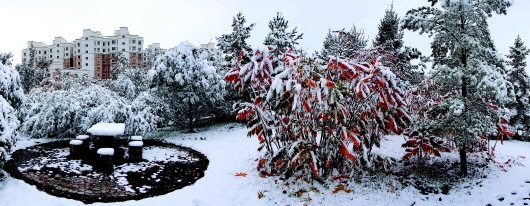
(66, 113)
(188, 83)
(11, 96)
(316, 117)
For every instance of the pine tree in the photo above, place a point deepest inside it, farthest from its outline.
(188, 82)
(122, 63)
(343, 43)
(390, 37)
(466, 69)
(234, 43)
(520, 121)
(11, 96)
(279, 37)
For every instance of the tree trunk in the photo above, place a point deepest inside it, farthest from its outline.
(190, 117)
(463, 155)
(463, 160)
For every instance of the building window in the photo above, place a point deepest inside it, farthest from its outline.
(134, 41)
(86, 64)
(86, 38)
(78, 63)
(122, 36)
(139, 42)
(99, 68)
(113, 48)
(86, 45)
(104, 50)
(123, 43)
(97, 55)
(99, 43)
(79, 51)
(39, 52)
(86, 51)
(24, 53)
(51, 56)
(57, 50)
(57, 57)
(86, 58)
(133, 54)
(113, 41)
(44, 52)
(66, 48)
(78, 44)
(134, 48)
(122, 49)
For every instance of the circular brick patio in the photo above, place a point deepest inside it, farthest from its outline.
(165, 168)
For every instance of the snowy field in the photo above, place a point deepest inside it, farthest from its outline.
(230, 152)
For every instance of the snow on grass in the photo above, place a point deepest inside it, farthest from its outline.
(230, 152)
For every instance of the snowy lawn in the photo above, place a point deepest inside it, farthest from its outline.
(230, 152)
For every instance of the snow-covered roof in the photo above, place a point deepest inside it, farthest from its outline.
(107, 129)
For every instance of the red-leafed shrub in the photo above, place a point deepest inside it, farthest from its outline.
(315, 117)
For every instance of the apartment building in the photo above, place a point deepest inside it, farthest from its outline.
(93, 54)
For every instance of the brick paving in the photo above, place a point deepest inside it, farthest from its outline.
(48, 167)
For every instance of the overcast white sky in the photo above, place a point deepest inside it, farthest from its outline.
(198, 21)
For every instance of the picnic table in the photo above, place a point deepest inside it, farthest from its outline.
(104, 135)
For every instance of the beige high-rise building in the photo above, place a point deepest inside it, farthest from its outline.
(93, 54)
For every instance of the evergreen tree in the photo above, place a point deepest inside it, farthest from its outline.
(466, 69)
(187, 82)
(343, 43)
(234, 43)
(390, 37)
(122, 63)
(520, 120)
(31, 77)
(11, 96)
(279, 37)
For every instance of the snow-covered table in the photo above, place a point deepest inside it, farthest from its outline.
(107, 129)
(104, 134)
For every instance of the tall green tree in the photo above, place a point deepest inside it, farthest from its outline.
(390, 37)
(279, 37)
(188, 83)
(517, 75)
(342, 43)
(465, 66)
(232, 44)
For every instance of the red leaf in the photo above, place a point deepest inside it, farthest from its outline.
(310, 82)
(241, 174)
(306, 105)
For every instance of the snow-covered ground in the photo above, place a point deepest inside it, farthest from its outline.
(230, 152)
